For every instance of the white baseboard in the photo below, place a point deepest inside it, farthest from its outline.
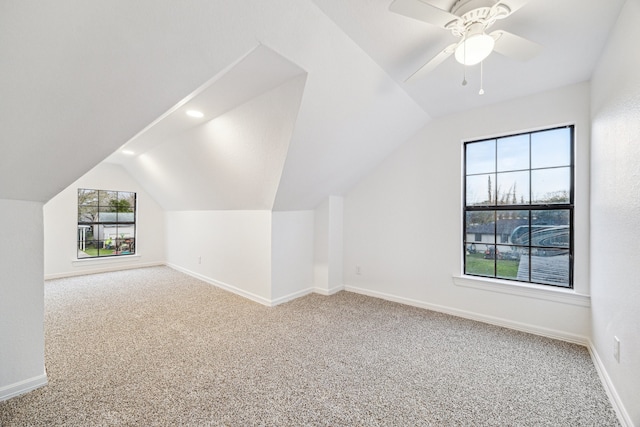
(524, 327)
(252, 296)
(102, 268)
(22, 387)
(307, 291)
(327, 292)
(227, 287)
(291, 296)
(614, 398)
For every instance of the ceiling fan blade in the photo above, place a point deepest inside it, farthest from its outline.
(422, 11)
(432, 64)
(514, 47)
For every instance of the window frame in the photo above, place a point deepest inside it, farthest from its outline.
(530, 207)
(96, 222)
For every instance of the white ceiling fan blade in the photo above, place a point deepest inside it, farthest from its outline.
(432, 64)
(514, 47)
(420, 10)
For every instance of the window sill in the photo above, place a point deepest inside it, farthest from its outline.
(105, 260)
(548, 293)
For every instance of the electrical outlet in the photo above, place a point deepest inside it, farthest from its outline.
(358, 271)
(199, 260)
(616, 349)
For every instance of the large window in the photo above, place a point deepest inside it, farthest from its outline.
(518, 211)
(106, 223)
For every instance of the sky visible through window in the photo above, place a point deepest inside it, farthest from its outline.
(500, 168)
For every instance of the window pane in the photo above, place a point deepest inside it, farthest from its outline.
(126, 201)
(108, 200)
(507, 263)
(481, 263)
(88, 249)
(87, 197)
(109, 240)
(125, 216)
(481, 157)
(102, 250)
(513, 153)
(512, 224)
(551, 148)
(551, 185)
(546, 269)
(513, 188)
(132, 244)
(106, 252)
(125, 231)
(124, 239)
(550, 228)
(521, 235)
(87, 214)
(481, 227)
(481, 190)
(105, 215)
(552, 217)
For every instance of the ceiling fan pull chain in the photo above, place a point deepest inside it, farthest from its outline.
(481, 89)
(464, 66)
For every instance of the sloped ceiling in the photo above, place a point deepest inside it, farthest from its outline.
(231, 158)
(79, 80)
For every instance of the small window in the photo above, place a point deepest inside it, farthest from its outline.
(106, 223)
(518, 195)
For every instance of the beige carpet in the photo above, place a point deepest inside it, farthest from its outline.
(153, 347)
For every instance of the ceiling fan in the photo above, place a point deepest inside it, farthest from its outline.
(469, 20)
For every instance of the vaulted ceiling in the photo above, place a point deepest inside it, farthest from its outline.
(572, 34)
(301, 98)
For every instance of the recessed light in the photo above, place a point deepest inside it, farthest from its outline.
(195, 113)
(128, 152)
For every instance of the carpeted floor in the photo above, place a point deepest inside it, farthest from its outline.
(154, 347)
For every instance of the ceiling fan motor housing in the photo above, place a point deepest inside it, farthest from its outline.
(474, 12)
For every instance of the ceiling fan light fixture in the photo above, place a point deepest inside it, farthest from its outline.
(474, 49)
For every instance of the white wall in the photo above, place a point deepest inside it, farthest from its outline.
(21, 298)
(231, 249)
(292, 249)
(615, 209)
(61, 224)
(402, 222)
(336, 243)
(328, 246)
(321, 246)
(262, 255)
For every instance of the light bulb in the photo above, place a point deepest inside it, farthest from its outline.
(474, 49)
